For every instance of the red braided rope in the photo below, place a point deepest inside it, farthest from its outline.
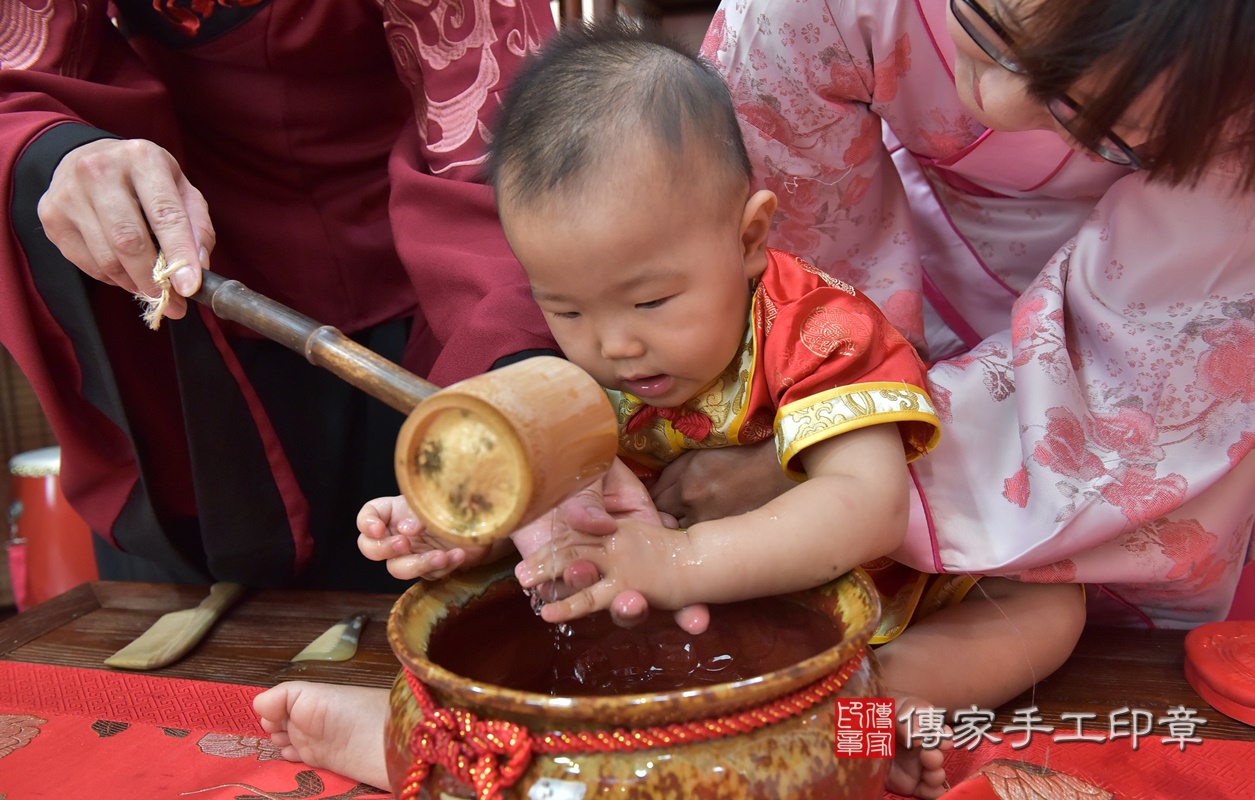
(492, 755)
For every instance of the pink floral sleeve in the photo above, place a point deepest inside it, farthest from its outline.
(1102, 438)
(810, 104)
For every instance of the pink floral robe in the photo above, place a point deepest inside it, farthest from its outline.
(1092, 335)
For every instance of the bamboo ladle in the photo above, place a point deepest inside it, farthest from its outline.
(477, 459)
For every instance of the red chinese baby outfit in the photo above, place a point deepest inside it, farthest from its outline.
(818, 359)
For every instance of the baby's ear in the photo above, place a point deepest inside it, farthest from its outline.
(755, 227)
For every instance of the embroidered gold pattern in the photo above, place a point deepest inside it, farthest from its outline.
(835, 283)
(822, 416)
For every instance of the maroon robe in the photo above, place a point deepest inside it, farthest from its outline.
(299, 120)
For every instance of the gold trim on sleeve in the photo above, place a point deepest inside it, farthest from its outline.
(822, 416)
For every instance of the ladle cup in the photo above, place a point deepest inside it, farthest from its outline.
(474, 460)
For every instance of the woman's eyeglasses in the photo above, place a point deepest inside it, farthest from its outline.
(992, 38)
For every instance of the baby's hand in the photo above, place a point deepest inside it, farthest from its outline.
(639, 558)
(390, 531)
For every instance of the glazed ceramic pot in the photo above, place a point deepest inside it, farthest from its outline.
(793, 757)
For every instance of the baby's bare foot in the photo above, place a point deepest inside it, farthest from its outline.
(916, 771)
(339, 728)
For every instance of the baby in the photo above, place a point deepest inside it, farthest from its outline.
(625, 191)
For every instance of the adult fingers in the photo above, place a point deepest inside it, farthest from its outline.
(550, 564)
(580, 575)
(586, 511)
(92, 192)
(107, 201)
(178, 217)
(187, 280)
(694, 619)
(73, 222)
(625, 496)
(629, 609)
(584, 602)
(529, 538)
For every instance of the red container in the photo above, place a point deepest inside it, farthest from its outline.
(52, 544)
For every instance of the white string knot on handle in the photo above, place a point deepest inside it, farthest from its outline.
(155, 307)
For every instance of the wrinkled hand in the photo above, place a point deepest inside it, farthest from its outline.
(390, 531)
(704, 485)
(107, 201)
(596, 510)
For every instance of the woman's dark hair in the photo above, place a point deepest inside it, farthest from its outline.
(1200, 48)
(592, 87)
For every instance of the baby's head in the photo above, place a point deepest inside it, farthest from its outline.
(624, 189)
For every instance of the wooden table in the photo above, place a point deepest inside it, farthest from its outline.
(251, 645)
(1112, 668)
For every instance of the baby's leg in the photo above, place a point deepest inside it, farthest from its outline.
(994, 645)
(339, 728)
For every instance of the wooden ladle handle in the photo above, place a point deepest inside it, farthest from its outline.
(477, 459)
(323, 345)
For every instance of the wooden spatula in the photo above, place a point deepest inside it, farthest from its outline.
(337, 643)
(171, 637)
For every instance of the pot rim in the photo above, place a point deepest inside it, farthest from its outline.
(632, 709)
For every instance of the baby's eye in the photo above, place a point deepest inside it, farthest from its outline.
(653, 303)
(565, 314)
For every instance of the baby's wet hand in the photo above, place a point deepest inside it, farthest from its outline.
(639, 558)
(390, 531)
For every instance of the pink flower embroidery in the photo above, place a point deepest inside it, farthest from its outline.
(1059, 572)
(1227, 369)
(716, 35)
(1141, 496)
(941, 401)
(1062, 449)
(891, 69)
(1024, 318)
(846, 80)
(766, 117)
(855, 189)
(1240, 448)
(1015, 488)
(1188, 546)
(1130, 433)
(905, 310)
(861, 148)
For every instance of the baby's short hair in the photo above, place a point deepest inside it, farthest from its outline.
(595, 86)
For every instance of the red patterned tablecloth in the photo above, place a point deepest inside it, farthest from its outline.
(82, 733)
(1210, 770)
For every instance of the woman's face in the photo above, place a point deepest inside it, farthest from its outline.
(998, 98)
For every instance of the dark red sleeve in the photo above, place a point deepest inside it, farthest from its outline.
(472, 291)
(109, 387)
(68, 79)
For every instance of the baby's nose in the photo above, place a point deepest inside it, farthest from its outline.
(620, 344)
